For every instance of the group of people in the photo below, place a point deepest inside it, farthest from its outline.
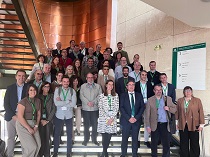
(79, 82)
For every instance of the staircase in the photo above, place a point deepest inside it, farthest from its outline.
(15, 50)
(91, 150)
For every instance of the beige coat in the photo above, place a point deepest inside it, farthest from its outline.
(101, 82)
(151, 117)
(194, 115)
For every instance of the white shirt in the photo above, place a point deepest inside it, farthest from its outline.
(129, 94)
(165, 89)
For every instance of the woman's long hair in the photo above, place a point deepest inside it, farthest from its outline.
(43, 84)
(113, 93)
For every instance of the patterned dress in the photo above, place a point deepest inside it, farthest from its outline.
(107, 110)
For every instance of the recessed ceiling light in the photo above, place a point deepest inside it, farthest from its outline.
(205, 0)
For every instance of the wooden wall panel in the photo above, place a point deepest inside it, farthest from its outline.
(81, 20)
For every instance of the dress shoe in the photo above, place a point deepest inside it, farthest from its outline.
(73, 142)
(104, 154)
(147, 144)
(96, 143)
(61, 142)
(55, 155)
(68, 155)
(171, 144)
(138, 144)
(122, 156)
(84, 143)
(119, 132)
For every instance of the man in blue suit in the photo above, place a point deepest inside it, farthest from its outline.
(13, 95)
(131, 108)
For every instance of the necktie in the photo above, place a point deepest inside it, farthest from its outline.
(132, 104)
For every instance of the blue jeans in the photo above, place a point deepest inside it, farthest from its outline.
(58, 128)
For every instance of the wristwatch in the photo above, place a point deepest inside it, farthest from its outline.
(36, 126)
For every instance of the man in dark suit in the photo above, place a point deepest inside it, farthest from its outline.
(135, 59)
(145, 88)
(153, 75)
(83, 49)
(13, 95)
(121, 82)
(98, 53)
(131, 108)
(57, 51)
(106, 56)
(168, 89)
(76, 54)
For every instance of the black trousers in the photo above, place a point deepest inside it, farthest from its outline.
(45, 132)
(189, 143)
(160, 133)
(90, 119)
(132, 129)
(105, 142)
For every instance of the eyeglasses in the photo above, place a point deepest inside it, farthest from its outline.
(46, 86)
(106, 69)
(89, 77)
(39, 73)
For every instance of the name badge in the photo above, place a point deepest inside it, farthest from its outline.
(44, 116)
(63, 108)
(152, 83)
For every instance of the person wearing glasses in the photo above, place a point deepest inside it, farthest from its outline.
(38, 79)
(190, 118)
(108, 104)
(89, 93)
(29, 114)
(131, 109)
(47, 113)
(102, 79)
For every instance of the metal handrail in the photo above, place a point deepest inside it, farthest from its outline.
(40, 25)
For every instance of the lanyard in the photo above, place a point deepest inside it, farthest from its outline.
(65, 95)
(165, 90)
(45, 102)
(109, 101)
(125, 82)
(40, 67)
(157, 103)
(33, 107)
(136, 76)
(49, 59)
(186, 103)
(152, 75)
(143, 88)
(38, 84)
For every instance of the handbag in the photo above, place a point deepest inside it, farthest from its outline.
(172, 122)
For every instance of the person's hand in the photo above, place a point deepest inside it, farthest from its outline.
(35, 129)
(200, 128)
(166, 108)
(109, 122)
(14, 117)
(30, 130)
(149, 130)
(90, 104)
(132, 120)
(58, 99)
(44, 122)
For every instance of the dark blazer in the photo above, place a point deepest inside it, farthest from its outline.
(55, 53)
(11, 100)
(120, 86)
(155, 79)
(171, 92)
(149, 89)
(50, 106)
(86, 51)
(100, 56)
(125, 109)
(80, 56)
